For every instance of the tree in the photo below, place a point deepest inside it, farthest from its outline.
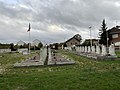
(103, 33)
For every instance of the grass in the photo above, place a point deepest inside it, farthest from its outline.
(86, 74)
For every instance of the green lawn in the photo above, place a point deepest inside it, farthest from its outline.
(86, 74)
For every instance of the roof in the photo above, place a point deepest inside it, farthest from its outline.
(77, 37)
(114, 30)
(20, 41)
(36, 40)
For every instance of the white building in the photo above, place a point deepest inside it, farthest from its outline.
(20, 43)
(36, 42)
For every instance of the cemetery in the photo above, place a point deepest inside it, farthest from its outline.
(59, 45)
(46, 57)
(97, 52)
(80, 67)
(86, 71)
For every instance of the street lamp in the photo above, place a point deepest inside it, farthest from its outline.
(90, 38)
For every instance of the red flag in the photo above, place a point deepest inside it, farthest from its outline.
(29, 28)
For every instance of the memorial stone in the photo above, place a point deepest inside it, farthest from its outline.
(104, 52)
(112, 50)
(93, 49)
(97, 49)
(89, 49)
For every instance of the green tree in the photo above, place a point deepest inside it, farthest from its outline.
(103, 33)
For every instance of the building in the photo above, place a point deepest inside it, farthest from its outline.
(75, 40)
(114, 35)
(36, 42)
(87, 42)
(20, 43)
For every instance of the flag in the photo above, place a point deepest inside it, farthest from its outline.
(90, 27)
(29, 28)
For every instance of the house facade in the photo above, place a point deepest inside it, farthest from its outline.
(114, 35)
(75, 40)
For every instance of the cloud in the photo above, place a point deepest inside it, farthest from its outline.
(55, 20)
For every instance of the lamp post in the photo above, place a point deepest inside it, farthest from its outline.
(90, 38)
(107, 38)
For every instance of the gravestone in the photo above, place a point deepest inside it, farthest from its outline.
(80, 49)
(62, 47)
(49, 54)
(25, 52)
(85, 48)
(93, 49)
(112, 50)
(89, 49)
(77, 49)
(97, 49)
(104, 52)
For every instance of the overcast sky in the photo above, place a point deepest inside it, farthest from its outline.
(55, 20)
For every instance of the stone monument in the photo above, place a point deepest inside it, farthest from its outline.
(97, 49)
(85, 48)
(112, 50)
(89, 49)
(93, 49)
(104, 52)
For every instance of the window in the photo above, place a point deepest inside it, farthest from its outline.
(115, 36)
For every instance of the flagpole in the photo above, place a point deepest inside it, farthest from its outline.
(29, 38)
(29, 42)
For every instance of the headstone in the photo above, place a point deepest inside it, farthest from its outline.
(89, 49)
(5, 50)
(62, 47)
(85, 48)
(25, 52)
(93, 49)
(80, 49)
(97, 49)
(76, 48)
(50, 54)
(112, 50)
(104, 52)
(23, 49)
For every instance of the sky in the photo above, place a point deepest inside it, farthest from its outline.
(54, 21)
